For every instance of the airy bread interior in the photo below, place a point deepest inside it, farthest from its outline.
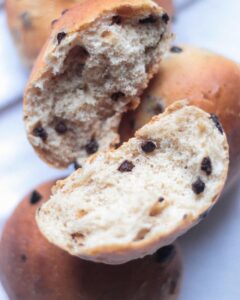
(94, 76)
(126, 203)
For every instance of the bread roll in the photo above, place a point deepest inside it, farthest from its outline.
(95, 65)
(210, 81)
(33, 269)
(127, 203)
(30, 22)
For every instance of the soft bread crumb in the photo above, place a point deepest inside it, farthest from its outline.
(93, 76)
(137, 201)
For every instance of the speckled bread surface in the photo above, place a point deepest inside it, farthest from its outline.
(126, 203)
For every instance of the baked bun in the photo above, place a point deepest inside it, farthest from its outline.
(127, 203)
(96, 63)
(210, 81)
(30, 22)
(31, 268)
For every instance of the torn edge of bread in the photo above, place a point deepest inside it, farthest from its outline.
(98, 60)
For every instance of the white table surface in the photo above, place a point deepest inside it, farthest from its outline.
(211, 250)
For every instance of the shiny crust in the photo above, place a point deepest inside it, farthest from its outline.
(30, 22)
(27, 261)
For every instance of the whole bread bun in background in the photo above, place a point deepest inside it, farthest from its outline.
(31, 268)
(210, 81)
(30, 22)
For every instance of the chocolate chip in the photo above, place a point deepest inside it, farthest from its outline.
(61, 127)
(198, 186)
(165, 18)
(64, 11)
(116, 20)
(206, 165)
(92, 147)
(26, 20)
(176, 49)
(54, 22)
(77, 166)
(23, 257)
(165, 254)
(60, 37)
(39, 131)
(35, 197)
(160, 199)
(78, 237)
(149, 20)
(217, 123)
(148, 146)
(126, 166)
(117, 95)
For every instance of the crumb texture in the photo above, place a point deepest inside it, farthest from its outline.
(93, 76)
(138, 200)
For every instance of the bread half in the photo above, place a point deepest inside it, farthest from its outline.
(31, 268)
(127, 203)
(98, 60)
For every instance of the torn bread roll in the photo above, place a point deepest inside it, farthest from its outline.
(210, 81)
(32, 268)
(126, 203)
(30, 22)
(98, 60)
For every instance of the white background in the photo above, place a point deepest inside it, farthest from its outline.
(211, 251)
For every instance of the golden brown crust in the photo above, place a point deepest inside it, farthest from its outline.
(30, 22)
(32, 268)
(210, 81)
